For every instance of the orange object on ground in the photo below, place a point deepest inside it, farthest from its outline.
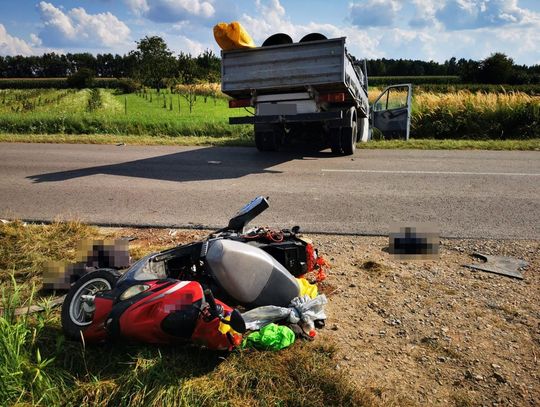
(232, 36)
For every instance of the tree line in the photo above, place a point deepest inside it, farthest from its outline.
(495, 69)
(152, 63)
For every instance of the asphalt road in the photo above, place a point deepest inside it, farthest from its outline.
(483, 194)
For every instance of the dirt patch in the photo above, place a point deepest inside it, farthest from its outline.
(427, 332)
(434, 332)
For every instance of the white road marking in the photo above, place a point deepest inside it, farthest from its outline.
(521, 174)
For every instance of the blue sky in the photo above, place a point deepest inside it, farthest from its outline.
(416, 29)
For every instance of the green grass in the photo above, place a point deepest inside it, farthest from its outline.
(233, 140)
(459, 115)
(144, 116)
(39, 367)
(428, 144)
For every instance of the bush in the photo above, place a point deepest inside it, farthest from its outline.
(83, 78)
(127, 85)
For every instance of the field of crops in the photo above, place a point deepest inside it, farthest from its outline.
(450, 115)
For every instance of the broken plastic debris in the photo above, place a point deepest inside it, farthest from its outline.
(504, 265)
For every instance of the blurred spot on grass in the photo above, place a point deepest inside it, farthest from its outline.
(24, 248)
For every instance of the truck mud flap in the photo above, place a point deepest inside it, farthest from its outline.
(294, 118)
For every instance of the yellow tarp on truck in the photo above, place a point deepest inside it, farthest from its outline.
(232, 36)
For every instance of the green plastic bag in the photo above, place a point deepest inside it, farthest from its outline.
(270, 337)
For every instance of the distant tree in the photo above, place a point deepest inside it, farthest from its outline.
(468, 70)
(497, 68)
(451, 66)
(84, 60)
(154, 61)
(187, 68)
(209, 66)
(105, 65)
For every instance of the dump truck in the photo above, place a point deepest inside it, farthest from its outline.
(313, 88)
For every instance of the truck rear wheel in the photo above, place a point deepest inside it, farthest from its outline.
(349, 134)
(266, 138)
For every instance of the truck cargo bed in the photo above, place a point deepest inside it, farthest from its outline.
(323, 65)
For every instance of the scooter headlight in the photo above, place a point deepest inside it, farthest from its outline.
(133, 291)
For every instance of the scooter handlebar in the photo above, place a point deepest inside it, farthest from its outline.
(211, 301)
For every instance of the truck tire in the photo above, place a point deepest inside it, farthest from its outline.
(364, 132)
(349, 134)
(266, 138)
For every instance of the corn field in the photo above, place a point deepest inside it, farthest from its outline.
(474, 115)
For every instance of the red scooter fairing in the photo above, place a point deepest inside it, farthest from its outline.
(160, 312)
(171, 313)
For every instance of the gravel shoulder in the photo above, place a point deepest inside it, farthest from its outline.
(424, 332)
(434, 332)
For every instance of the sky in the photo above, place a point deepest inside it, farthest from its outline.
(411, 29)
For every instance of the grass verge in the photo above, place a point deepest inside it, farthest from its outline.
(246, 140)
(428, 144)
(238, 140)
(25, 248)
(38, 367)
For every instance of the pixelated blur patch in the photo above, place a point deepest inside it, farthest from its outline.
(182, 302)
(56, 276)
(104, 253)
(91, 254)
(414, 241)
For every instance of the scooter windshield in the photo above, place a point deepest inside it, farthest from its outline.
(146, 269)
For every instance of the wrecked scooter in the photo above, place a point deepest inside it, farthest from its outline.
(161, 299)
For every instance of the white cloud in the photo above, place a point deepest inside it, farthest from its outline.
(271, 18)
(171, 10)
(188, 46)
(470, 14)
(425, 13)
(35, 40)
(139, 7)
(10, 45)
(79, 29)
(374, 13)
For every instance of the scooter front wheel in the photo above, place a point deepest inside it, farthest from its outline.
(78, 308)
